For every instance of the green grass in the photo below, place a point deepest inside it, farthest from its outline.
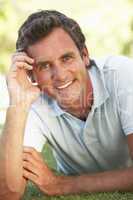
(100, 196)
(32, 193)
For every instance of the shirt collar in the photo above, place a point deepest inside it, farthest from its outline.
(57, 108)
(100, 91)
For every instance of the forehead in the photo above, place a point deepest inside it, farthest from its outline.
(56, 43)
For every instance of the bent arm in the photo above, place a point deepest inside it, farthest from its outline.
(12, 182)
(110, 181)
(21, 94)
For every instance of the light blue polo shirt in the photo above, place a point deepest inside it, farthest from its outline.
(99, 143)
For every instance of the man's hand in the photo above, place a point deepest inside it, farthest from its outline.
(21, 89)
(36, 170)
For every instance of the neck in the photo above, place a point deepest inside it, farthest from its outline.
(82, 111)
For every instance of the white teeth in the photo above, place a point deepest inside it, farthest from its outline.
(64, 86)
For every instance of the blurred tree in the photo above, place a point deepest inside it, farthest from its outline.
(127, 47)
(6, 42)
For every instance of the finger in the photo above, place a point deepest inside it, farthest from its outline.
(35, 159)
(23, 58)
(38, 163)
(28, 157)
(33, 152)
(16, 54)
(30, 167)
(21, 65)
(19, 53)
(30, 176)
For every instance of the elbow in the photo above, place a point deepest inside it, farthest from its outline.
(17, 189)
(9, 191)
(12, 191)
(8, 195)
(14, 187)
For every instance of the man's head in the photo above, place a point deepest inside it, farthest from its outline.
(40, 24)
(57, 45)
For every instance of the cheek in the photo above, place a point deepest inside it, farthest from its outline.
(41, 77)
(45, 83)
(78, 70)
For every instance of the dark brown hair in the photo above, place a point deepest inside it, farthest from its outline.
(40, 24)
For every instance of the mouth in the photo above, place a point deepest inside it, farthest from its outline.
(65, 85)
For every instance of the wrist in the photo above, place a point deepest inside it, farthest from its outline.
(68, 185)
(19, 107)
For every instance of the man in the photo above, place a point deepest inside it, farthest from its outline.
(82, 107)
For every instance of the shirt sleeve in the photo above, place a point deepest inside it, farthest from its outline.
(35, 132)
(124, 94)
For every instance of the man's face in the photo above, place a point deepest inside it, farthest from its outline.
(59, 69)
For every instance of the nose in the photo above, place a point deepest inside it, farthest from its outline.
(59, 74)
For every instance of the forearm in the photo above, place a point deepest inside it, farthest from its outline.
(11, 149)
(119, 180)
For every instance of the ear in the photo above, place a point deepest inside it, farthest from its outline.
(85, 56)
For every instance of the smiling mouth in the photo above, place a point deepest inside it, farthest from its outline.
(65, 85)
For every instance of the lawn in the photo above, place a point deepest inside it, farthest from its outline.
(32, 193)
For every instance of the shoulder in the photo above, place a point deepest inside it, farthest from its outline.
(115, 63)
(117, 71)
(123, 67)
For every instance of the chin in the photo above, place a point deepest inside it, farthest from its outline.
(69, 101)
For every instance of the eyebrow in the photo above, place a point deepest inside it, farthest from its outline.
(42, 62)
(67, 54)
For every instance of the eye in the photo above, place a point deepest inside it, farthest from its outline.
(67, 58)
(44, 66)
